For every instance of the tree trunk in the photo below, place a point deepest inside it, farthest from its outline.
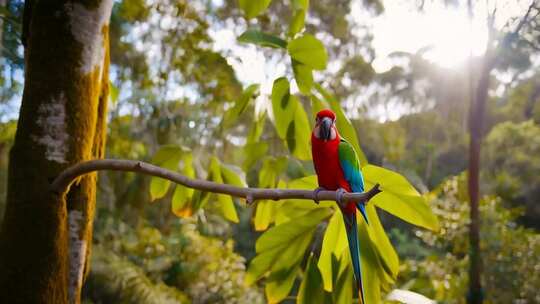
(478, 102)
(45, 238)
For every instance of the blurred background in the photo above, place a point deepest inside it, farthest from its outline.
(402, 72)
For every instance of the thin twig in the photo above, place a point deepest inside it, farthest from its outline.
(62, 182)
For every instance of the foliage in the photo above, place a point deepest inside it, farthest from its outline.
(115, 279)
(205, 268)
(443, 274)
(513, 162)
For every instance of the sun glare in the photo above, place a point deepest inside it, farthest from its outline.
(444, 32)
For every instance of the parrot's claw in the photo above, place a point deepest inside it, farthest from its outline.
(339, 196)
(316, 194)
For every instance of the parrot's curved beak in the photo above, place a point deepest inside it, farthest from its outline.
(325, 129)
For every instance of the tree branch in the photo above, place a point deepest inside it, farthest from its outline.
(64, 180)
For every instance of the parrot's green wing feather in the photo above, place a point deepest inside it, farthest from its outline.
(351, 171)
(350, 166)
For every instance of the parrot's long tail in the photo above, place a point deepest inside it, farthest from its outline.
(352, 235)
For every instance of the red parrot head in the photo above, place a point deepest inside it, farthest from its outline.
(325, 128)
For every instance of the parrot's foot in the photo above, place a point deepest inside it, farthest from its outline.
(339, 197)
(316, 194)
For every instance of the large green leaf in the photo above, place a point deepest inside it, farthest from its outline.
(303, 75)
(283, 106)
(298, 133)
(254, 148)
(268, 178)
(167, 157)
(253, 8)
(277, 289)
(334, 244)
(225, 202)
(233, 113)
(293, 208)
(308, 50)
(344, 125)
(342, 279)
(370, 266)
(383, 248)
(399, 197)
(301, 4)
(297, 23)
(311, 291)
(182, 197)
(283, 246)
(262, 39)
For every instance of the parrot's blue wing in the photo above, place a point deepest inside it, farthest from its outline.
(351, 171)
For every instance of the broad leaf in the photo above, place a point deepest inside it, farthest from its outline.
(311, 291)
(182, 197)
(283, 246)
(303, 75)
(253, 8)
(298, 133)
(399, 197)
(334, 244)
(268, 178)
(262, 39)
(276, 290)
(225, 202)
(233, 113)
(283, 106)
(301, 4)
(297, 23)
(308, 50)
(167, 157)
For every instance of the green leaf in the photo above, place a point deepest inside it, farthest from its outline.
(284, 234)
(344, 125)
(158, 187)
(232, 176)
(310, 291)
(399, 197)
(301, 4)
(225, 202)
(277, 290)
(241, 104)
(385, 251)
(342, 279)
(304, 76)
(334, 244)
(308, 50)
(254, 152)
(283, 246)
(297, 23)
(167, 157)
(253, 8)
(317, 105)
(283, 106)
(298, 133)
(262, 39)
(182, 197)
(268, 176)
(370, 266)
(113, 92)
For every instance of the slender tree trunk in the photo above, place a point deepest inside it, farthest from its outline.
(476, 122)
(45, 238)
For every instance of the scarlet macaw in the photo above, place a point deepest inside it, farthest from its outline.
(338, 169)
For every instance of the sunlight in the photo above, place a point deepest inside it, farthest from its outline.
(444, 33)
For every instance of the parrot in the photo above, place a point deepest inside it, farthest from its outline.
(338, 169)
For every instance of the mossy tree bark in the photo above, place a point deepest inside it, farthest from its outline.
(45, 238)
